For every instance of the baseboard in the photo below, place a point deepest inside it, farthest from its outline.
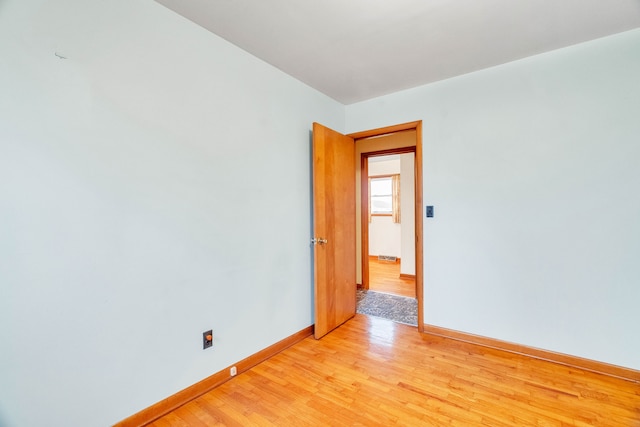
(408, 276)
(550, 356)
(173, 402)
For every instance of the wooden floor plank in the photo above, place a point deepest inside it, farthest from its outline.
(374, 372)
(384, 276)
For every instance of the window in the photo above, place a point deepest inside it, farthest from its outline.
(381, 195)
(384, 196)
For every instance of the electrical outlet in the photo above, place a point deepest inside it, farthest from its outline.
(233, 371)
(207, 339)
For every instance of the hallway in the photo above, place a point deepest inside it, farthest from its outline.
(389, 296)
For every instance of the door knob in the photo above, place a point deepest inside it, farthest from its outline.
(318, 241)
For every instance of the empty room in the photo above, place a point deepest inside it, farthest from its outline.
(184, 212)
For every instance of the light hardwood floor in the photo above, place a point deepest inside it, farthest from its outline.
(374, 372)
(384, 276)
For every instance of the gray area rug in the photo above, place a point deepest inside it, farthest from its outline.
(392, 307)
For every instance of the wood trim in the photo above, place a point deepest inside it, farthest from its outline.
(173, 402)
(603, 368)
(386, 130)
(418, 227)
(407, 276)
(389, 175)
(364, 220)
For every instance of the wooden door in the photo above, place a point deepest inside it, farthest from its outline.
(334, 226)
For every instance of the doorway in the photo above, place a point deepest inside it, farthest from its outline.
(399, 141)
(336, 240)
(391, 223)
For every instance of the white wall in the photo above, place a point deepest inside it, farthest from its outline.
(136, 180)
(533, 170)
(384, 237)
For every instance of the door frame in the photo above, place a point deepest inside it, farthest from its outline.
(364, 203)
(417, 126)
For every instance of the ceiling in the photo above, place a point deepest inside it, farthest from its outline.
(353, 50)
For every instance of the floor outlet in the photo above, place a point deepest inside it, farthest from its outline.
(233, 371)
